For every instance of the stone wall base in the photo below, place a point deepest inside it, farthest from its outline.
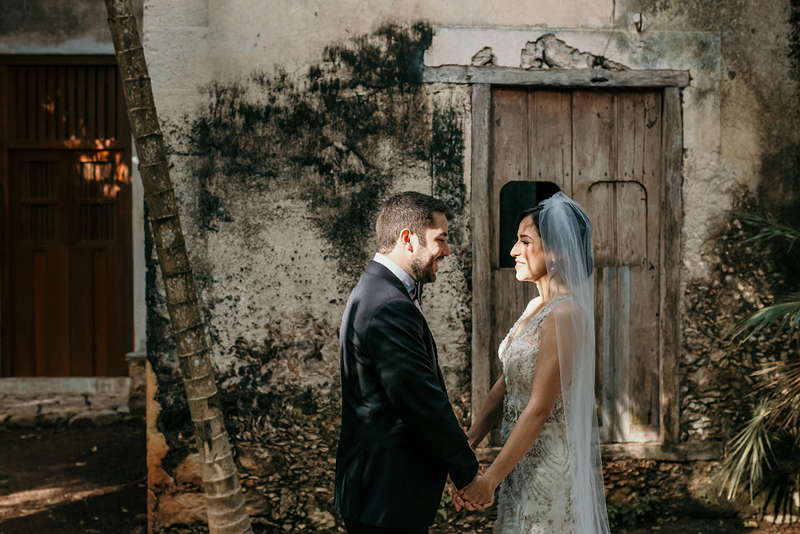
(54, 401)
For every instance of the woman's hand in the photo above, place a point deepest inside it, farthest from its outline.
(479, 494)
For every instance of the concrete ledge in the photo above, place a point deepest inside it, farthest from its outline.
(114, 385)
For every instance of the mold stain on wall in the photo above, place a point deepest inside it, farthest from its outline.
(319, 136)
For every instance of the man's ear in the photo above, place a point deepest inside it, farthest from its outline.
(405, 240)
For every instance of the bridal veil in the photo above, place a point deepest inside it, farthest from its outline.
(567, 239)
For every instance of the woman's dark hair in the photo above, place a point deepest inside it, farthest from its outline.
(584, 229)
(534, 212)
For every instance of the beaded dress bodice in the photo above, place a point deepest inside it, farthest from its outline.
(535, 498)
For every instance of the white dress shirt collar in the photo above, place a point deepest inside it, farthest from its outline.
(404, 277)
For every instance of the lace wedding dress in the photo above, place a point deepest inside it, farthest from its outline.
(536, 497)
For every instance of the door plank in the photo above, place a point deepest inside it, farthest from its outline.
(30, 103)
(91, 103)
(643, 359)
(81, 124)
(100, 106)
(630, 224)
(41, 101)
(605, 391)
(509, 153)
(599, 198)
(57, 311)
(672, 128)
(509, 157)
(509, 162)
(49, 107)
(652, 175)
(81, 314)
(12, 95)
(481, 246)
(593, 147)
(61, 104)
(626, 136)
(621, 346)
(100, 324)
(550, 138)
(645, 408)
(111, 103)
(72, 107)
(41, 330)
(23, 319)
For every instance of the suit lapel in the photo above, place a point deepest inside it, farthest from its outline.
(375, 268)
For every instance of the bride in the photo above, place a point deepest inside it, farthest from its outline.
(549, 465)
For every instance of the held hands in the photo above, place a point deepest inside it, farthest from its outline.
(477, 495)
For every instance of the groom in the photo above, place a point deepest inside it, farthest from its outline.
(400, 438)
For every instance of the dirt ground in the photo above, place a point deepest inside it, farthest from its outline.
(93, 479)
(73, 480)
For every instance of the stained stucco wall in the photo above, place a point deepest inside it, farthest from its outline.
(287, 124)
(55, 27)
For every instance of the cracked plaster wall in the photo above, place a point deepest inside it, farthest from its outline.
(286, 127)
(56, 27)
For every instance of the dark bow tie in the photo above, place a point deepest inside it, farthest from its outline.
(416, 293)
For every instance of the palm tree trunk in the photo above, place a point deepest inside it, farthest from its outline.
(225, 504)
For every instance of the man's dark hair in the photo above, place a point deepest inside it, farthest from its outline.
(408, 209)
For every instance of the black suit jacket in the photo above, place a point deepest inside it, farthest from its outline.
(399, 436)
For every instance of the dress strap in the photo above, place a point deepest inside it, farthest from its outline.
(540, 316)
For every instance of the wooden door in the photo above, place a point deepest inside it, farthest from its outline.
(70, 263)
(603, 149)
(69, 297)
(39, 265)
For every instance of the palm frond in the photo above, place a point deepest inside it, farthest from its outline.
(782, 481)
(749, 453)
(785, 312)
(767, 229)
(779, 383)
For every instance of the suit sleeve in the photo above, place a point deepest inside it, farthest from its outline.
(410, 379)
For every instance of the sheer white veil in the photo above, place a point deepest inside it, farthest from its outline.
(566, 234)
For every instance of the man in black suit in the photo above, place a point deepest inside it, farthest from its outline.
(400, 438)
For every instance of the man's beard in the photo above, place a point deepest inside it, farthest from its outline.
(422, 269)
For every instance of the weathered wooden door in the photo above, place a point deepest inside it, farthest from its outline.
(603, 149)
(69, 275)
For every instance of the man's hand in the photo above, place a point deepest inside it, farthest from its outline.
(458, 502)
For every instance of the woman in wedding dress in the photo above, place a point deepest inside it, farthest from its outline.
(549, 465)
